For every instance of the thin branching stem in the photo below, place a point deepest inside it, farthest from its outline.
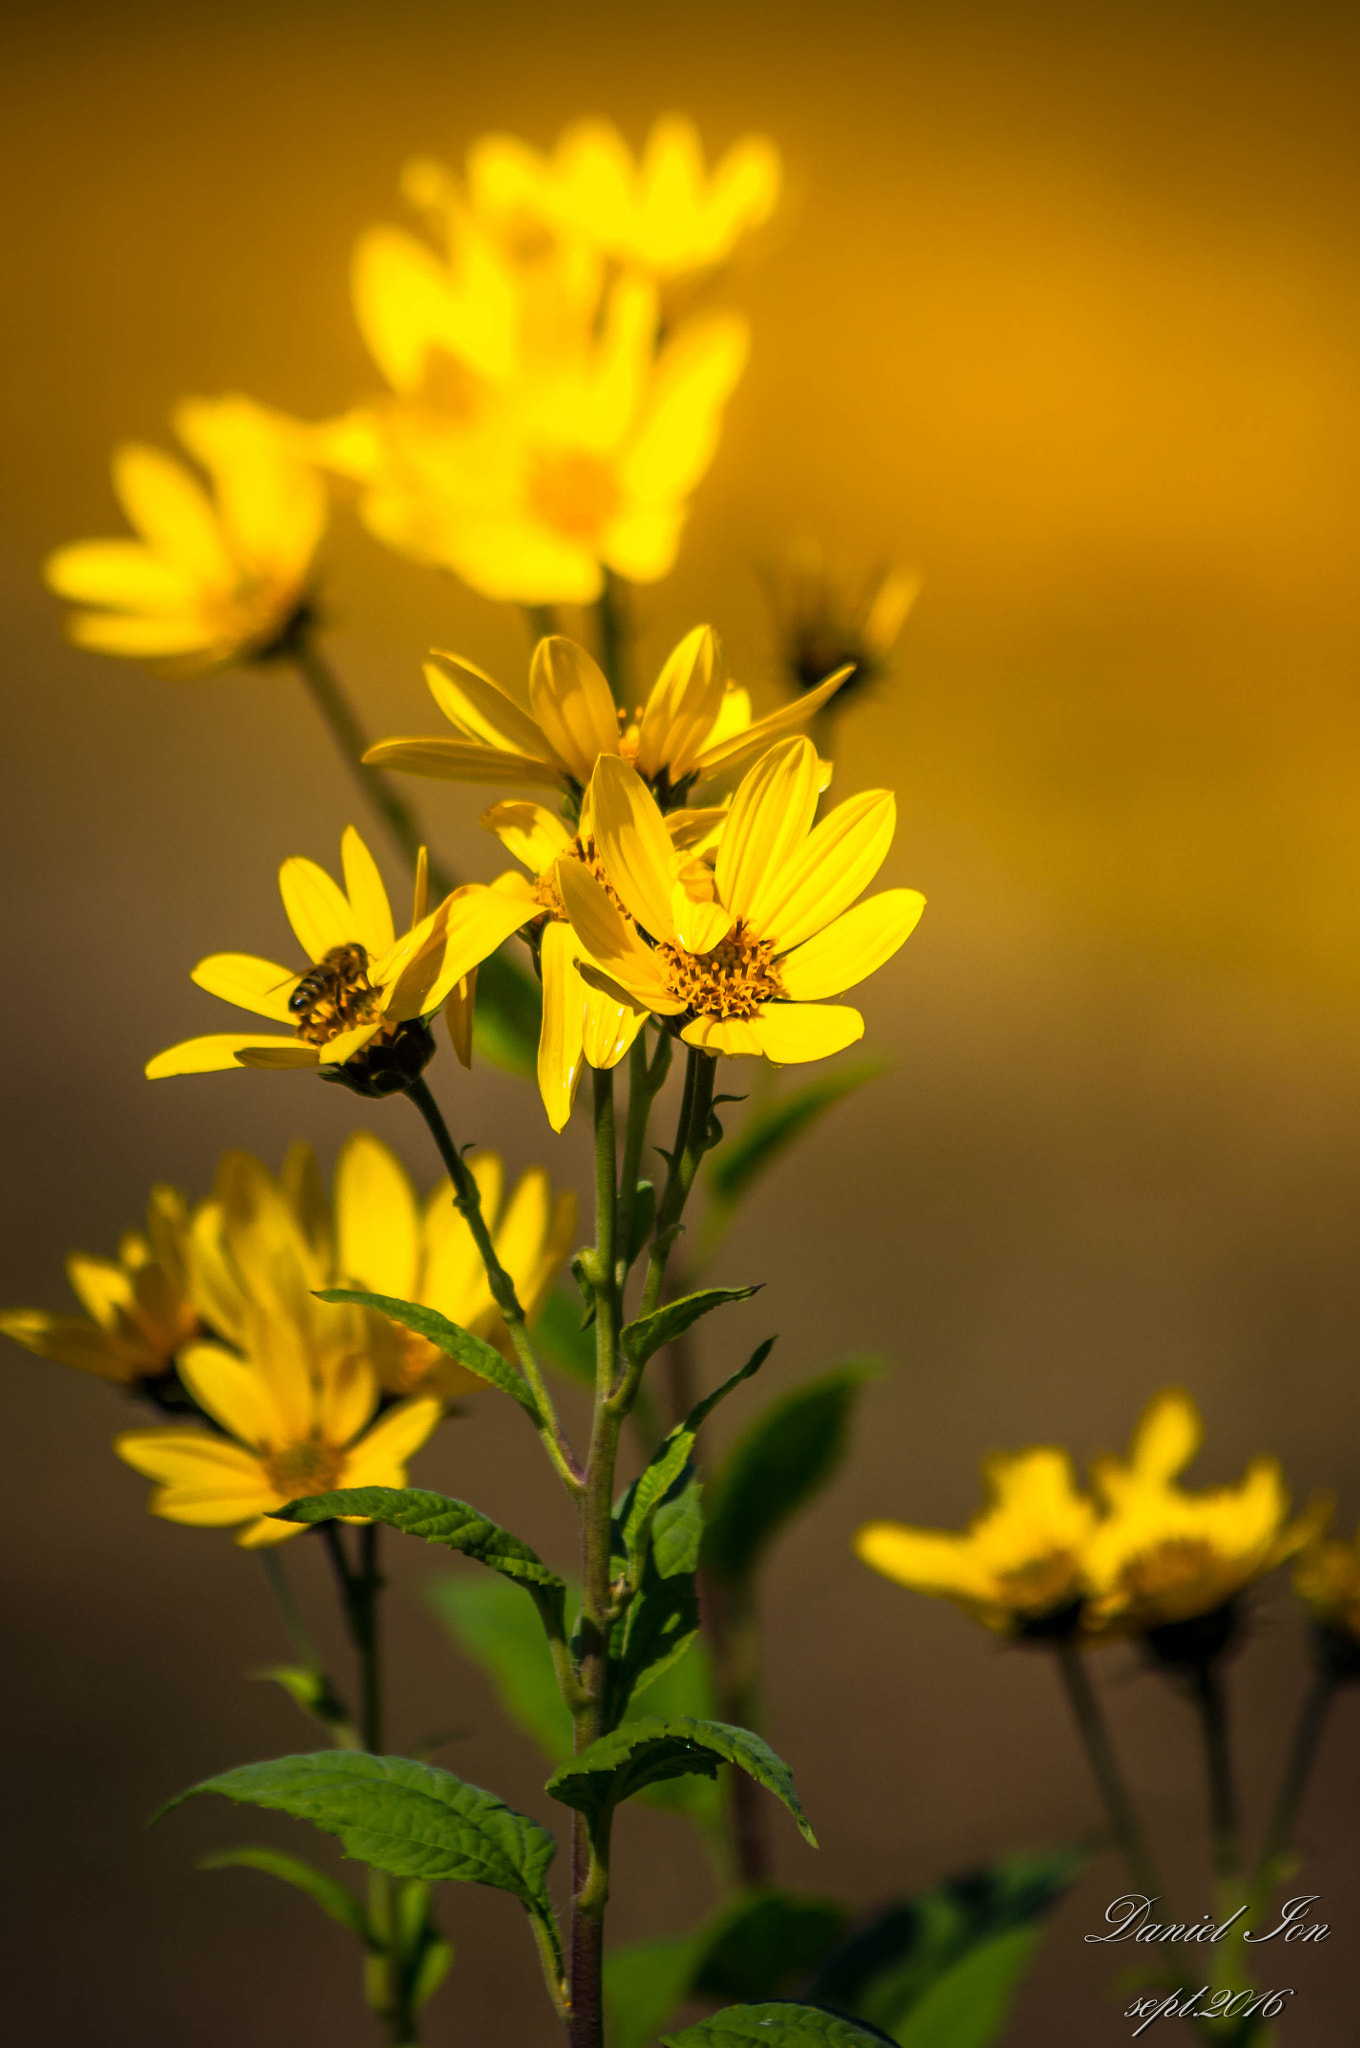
(1100, 1754)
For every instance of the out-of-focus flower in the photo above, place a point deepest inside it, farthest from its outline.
(743, 950)
(695, 725)
(1164, 1556)
(665, 212)
(1021, 1566)
(1327, 1580)
(390, 1242)
(294, 1424)
(137, 1308)
(215, 577)
(821, 624)
(353, 1009)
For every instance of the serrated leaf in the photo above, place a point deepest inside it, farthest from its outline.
(775, 2024)
(455, 1342)
(777, 1465)
(678, 1529)
(970, 2004)
(334, 1898)
(409, 1819)
(664, 1325)
(684, 1688)
(561, 1339)
(764, 1941)
(500, 1632)
(654, 1632)
(887, 1966)
(436, 1518)
(645, 1751)
(772, 1127)
(634, 1513)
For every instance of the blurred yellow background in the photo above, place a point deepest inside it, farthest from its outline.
(1061, 309)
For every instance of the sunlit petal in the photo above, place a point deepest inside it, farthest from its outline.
(838, 859)
(369, 907)
(317, 908)
(259, 985)
(221, 1050)
(790, 1033)
(771, 816)
(572, 704)
(854, 946)
(634, 844)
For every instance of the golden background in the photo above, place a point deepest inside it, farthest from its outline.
(1062, 309)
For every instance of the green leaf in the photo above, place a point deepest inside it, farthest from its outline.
(776, 1466)
(334, 1898)
(500, 1632)
(508, 1014)
(438, 1519)
(776, 2025)
(644, 1220)
(563, 1341)
(970, 2004)
(772, 1127)
(436, 1960)
(644, 1983)
(764, 1941)
(885, 1969)
(310, 1690)
(664, 1325)
(649, 1749)
(634, 1513)
(450, 1338)
(662, 1618)
(409, 1819)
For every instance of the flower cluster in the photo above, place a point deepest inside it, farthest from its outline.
(1144, 1557)
(215, 1310)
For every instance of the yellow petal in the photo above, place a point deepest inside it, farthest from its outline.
(173, 514)
(634, 844)
(260, 1410)
(572, 704)
(729, 753)
(224, 1049)
(370, 911)
(301, 1187)
(612, 944)
(420, 899)
(683, 707)
(610, 1027)
(771, 816)
(271, 502)
(259, 985)
(462, 761)
(480, 708)
(70, 1340)
(851, 948)
(317, 908)
(929, 1561)
(560, 1038)
(278, 1055)
(475, 921)
(377, 1218)
(122, 573)
(101, 1287)
(460, 1009)
(203, 1481)
(138, 636)
(1167, 1437)
(700, 920)
(265, 1532)
(529, 831)
(838, 859)
(790, 1033)
(379, 1459)
(734, 1036)
(347, 1394)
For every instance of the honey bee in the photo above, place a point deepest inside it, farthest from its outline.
(334, 995)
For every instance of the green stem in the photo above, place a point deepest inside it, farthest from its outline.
(1206, 1686)
(611, 613)
(468, 1201)
(1095, 1737)
(691, 1142)
(326, 1704)
(1298, 1769)
(542, 620)
(645, 1079)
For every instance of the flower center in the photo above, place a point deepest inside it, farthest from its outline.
(731, 981)
(1041, 1584)
(574, 492)
(300, 1469)
(1168, 1571)
(586, 852)
(335, 996)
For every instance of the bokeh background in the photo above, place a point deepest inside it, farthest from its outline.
(1063, 310)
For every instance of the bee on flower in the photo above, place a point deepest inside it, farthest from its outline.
(360, 1011)
(213, 577)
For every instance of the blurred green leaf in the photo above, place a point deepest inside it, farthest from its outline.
(664, 1325)
(777, 1465)
(644, 1751)
(775, 2024)
(334, 1898)
(773, 1126)
(764, 1942)
(409, 1819)
(437, 1519)
(310, 1690)
(450, 1338)
(500, 1632)
(508, 1014)
(887, 1968)
(433, 1966)
(970, 2004)
(634, 1513)
(644, 1983)
(561, 1339)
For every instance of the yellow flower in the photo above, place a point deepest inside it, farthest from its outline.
(1327, 1580)
(356, 1007)
(821, 624)
(1020, 1568)
(138, 1311)
(664, 213)
(389, 1242)
(694, 726)
(295, 1425)
(1163, 1555)
(213, 578)
(537, 437)
(740, 954)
